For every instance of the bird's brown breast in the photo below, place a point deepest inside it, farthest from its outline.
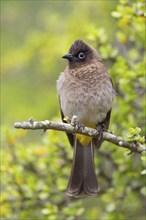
(86, 92)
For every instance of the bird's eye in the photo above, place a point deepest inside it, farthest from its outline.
(81, 56)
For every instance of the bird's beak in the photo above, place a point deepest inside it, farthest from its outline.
(68, 57)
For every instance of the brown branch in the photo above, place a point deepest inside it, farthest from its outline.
(73, 128)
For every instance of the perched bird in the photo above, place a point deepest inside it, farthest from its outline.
(85, 90)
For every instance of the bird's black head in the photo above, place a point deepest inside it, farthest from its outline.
(79, 53)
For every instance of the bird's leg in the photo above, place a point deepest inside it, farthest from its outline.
(100, 129)
(99, 138)
(79, 126)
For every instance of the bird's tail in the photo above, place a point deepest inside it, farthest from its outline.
(82, 178)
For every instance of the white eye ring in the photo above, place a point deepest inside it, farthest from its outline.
(81, 56)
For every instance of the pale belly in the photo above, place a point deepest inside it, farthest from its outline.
(88, 105)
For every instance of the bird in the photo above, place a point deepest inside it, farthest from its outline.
(85, 89)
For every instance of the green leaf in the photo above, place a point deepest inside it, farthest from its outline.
(116, 14)
(111, 207)
(123, 2)
(45, 211)
(80, 211)
(132, 131)
(143, 172)
(143, 158)
(143, 191)
(137, 130)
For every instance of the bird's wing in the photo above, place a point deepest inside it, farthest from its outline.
(104, 124)
(106, 121)
(69, 135)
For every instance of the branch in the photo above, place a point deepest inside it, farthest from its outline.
(73, 128)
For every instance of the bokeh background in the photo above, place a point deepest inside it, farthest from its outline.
(36, 166)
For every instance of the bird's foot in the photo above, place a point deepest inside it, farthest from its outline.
(100, 129)
(79, 126)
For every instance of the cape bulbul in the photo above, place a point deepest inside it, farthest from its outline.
(85, 90)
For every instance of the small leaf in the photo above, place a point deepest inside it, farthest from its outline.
(137, 130)
(132, 131)
(143, 158)
(143, 190)
(45, 211)
(123, 2)
(143, 172)
(142, 140)
(116, 14)
(80, 211)
(111, 207)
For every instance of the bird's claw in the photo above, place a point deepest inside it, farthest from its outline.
(79, 126)
(100, 129)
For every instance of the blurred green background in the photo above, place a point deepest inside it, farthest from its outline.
(36, 166)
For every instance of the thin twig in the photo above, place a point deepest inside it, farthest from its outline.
(72, 128)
